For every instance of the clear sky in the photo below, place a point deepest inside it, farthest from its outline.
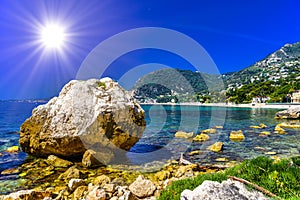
(235, 33)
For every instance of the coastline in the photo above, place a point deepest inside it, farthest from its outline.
(257, 105)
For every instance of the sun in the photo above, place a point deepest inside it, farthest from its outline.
(53, 36)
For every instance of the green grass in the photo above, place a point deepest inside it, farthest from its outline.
(281, 178)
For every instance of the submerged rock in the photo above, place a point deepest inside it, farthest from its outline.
(279, 130)
(209, 131)
(182, 134)
(228, 189)
(13, 149)
(289, 125)
(236, 135)
(216, 147)
(291, 113)
(86, 114)
(201, 138)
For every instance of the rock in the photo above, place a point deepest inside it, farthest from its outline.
(182, 134)
(216, 147)
(209, 131)
(186, 171)
(291, 113)
(263, 126)
(96, 194)
(264, 133)
(221, 159)
(101, 180)
(128, 196)
(162, 175)
(218, 127)
(10, 171)
(71, 173)
(109, 188)
(58, 162)
(196, 152)
(236, 135)
(79, 193)
(86, 114)
(27, 195)
(13, 149)
(259, 126)
(231, 190)
(279, 130)
(201, 138)
(75, 183)
(142, 187)
(271, 153)
(289, 125)
(90, 160)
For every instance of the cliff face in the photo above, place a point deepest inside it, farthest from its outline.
(96, 114)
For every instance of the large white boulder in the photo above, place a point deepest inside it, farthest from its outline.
(93, 114)
(229, 190)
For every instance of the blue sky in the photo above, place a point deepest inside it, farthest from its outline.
(235, 33)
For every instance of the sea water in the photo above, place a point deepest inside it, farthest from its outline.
(163, 121)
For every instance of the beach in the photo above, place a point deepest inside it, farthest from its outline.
(257, 105)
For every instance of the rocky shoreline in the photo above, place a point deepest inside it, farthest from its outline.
(60, 179)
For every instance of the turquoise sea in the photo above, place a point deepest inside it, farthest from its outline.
(158, 142)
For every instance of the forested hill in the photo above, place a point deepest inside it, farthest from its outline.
(276, 76)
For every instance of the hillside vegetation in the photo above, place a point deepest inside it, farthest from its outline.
(276, 77)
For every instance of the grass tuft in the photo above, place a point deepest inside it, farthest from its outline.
(281, 178)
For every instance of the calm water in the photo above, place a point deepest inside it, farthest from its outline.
(158, 142)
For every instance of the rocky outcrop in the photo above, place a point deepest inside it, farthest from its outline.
(291, 113)
(93, 114)
(231, 190)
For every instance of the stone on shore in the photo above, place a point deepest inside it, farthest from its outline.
(58, 162)
(142, 187)
(86, 114)
(27, 195)
(75, 183)
(236, 135)
(89, 159)
(182, 134)
(291, 113)
(228, 189)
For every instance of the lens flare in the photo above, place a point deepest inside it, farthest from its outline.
(53, 36)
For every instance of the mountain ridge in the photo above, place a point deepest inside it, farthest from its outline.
(276, 75)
